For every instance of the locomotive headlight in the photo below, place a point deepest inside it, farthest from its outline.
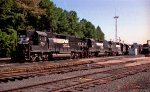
(27, 39)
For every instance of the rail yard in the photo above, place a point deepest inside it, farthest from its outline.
(127, 73)
(51, 62)
(59, 46)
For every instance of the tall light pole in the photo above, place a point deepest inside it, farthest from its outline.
(116, 17)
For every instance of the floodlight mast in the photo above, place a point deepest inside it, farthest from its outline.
(116, 17)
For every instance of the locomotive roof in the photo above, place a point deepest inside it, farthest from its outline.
(25, 32)
(41, 33)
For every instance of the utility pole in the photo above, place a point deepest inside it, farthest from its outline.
(116, 17)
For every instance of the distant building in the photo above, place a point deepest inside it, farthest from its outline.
(133, 49)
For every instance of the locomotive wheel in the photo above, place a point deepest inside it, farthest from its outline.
(80, 55)
(77, 55)
(117, 54)
(96, 54)
(34, 58)
(37, 59)
(50, 57)
(45, 57)
(72, 55)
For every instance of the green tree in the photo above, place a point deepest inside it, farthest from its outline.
(29, 6)
(87, 28)
(7, 42)
(63, 23)
(49, 18)
(6, 6)
(5, 13)
(40, 15)
(73, 21)
(100, 35)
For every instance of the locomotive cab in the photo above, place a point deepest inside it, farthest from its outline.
(145, 49)
(39, 42)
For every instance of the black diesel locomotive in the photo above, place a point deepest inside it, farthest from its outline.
(37, 46)
(146, 48)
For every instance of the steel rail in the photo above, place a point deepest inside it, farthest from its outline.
(127, 71)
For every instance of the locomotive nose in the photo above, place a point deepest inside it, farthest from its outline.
(23, 40)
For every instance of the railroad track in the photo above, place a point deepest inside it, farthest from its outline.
(16, 68)
(24, 73)
(30, 64)
(99, 81)
(61, 63)
(19, 75)
(74, 83)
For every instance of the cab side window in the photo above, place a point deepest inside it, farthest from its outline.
(35, 40)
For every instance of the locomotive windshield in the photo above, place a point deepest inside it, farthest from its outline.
(145, 46)
(23, 36)
(22, 39)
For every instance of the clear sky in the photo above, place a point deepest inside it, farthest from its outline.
(133, 21)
